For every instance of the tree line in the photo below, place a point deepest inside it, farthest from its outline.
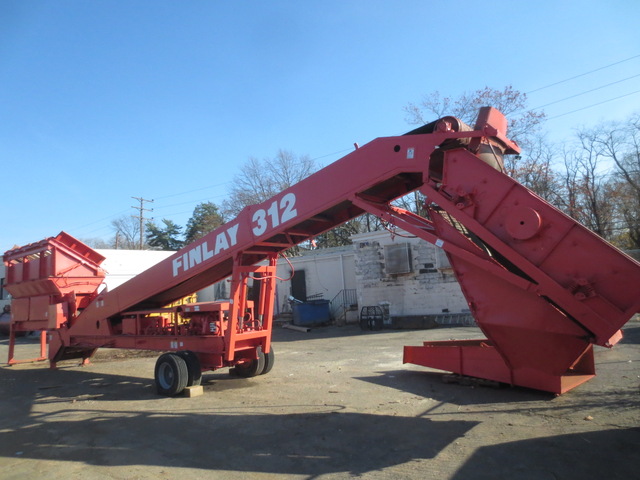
(593, 177)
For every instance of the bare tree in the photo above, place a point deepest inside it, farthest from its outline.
(127, 232)
(588, 192)
(536, 171)
(626, 233)
(533, 166)
(620, 142)
(524, 124)
(569, 184)
(96, 242)
(260, 180)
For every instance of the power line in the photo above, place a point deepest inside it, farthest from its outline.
(230, 182)
(330, 154)
(581, 75)
(594, 105)
(189, 202)
(194, 190)
(100, 220)
(97, 229)
(585, 92)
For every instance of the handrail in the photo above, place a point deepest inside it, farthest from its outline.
(344, 298)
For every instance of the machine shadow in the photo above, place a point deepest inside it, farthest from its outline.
(70, 383)
(611, 454)
(310, 444)
(429, 384)
(631, 336)
(481, 399)
(34, 383)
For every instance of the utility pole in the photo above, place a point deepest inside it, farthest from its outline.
(141, 216)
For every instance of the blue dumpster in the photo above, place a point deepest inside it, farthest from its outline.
(313, 313)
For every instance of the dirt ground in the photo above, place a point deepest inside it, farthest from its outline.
(338, 404)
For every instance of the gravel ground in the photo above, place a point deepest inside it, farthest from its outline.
(338, 404)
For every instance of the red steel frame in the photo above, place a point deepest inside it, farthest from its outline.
(525, 268)
(240, 326)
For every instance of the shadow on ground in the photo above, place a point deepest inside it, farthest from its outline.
(631, 336)
(611, 454)
(237, 439)
(429, 385)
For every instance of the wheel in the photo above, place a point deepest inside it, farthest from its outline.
(269, 360)
(364, 323)
(194, 371)
(171, 374)
(376, 323)
(251, 368)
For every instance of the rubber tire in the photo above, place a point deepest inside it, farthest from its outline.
(194, 370)
(252, 368)
(269, 360)
(171, 374)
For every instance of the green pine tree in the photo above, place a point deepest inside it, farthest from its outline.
(205, 218)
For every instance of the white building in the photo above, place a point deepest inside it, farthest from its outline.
(412, 279)
(408, 277)
(122, 265)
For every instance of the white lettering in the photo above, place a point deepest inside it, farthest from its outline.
(195, 256)
(201, 253)
(260, 221)
(176, 265)
(233, 234)
(277, 214)
(287, 204)
(221, 242)
(206, 253)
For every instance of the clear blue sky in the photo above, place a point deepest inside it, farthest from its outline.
(104, 100)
